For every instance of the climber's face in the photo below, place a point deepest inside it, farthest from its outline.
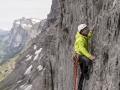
(85, 31)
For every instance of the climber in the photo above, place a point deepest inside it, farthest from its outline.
(81, 47)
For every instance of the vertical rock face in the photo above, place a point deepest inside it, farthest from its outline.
(105, 15)
(51, 68)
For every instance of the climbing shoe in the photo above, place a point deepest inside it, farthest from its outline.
(80, 88)
(86, 76)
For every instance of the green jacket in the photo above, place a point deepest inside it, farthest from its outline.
(81, 45)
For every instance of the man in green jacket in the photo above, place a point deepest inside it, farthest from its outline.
(81, 47)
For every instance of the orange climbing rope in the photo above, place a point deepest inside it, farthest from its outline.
(75, 59)
(75, 70)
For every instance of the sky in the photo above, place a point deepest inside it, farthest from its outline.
(11, 10)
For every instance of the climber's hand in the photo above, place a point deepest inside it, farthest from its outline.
(92, 57)
(93, 28)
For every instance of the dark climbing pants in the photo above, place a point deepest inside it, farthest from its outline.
(84, 63)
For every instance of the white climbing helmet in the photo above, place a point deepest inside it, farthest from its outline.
(81, 26)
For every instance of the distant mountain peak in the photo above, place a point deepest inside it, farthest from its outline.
(26, 23)
(22, 33)
(5, 29)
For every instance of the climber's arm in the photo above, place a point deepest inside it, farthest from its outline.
(91, 32)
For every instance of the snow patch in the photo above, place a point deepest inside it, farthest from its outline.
(34, 21)
(38, 51)
(27, 72)
(22, 86)
(27, 55)
(28, 58)
(26, 87)
(26, 26)
(39, 68)
(18, 23)
(29, 25)
(35, 47)
(36, 57)
(19, 81)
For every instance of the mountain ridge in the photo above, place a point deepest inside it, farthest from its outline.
(22, 32)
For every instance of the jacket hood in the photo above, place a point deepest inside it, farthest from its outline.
(78, 35)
